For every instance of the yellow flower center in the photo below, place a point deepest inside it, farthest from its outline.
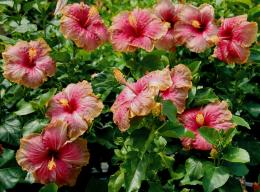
(51, 164)
(64, 102)
(200, 119)
(32, 53)
(195, 24)
(132, 20)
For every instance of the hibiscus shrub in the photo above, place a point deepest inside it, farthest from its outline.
(112, 95)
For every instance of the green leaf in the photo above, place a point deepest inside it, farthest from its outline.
(10, 131)
(194, 168)
(175, 130)
(9, 177)
(214, 178)
(240, 121)
(205, 96)
(232, 185)
(23, 26)
(228, 136)
(210, 134)
(116, 181)
(169, 110)
(237, 169)
(62, 57)
(44, 99)
(25, 108)
(236, 155)
(34, 126)
(246, 2)
(254, 12)
(7, 40)
(6, 156)
(135, 174)
(194, 66)
(155, 187)
(8, 3)
(253, 108)
(52, 187)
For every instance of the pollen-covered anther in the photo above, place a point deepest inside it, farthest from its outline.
(200, 119)
(195, 24)
(51, 164)
(32, 53)
(64, 102)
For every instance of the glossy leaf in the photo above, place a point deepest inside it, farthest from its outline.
(240, 121)
(214, 178)
(52, 187)
(236, 155)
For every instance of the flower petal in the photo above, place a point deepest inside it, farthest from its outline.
(90, 107)
(181, 76)
(83, 25)
(121, 117)
(188, 119)
(143, 42)
(54, 135)
(189, 13)
(245, 33)
(33, 78)
(206, 13)
(178, 96)
(78, 90)
(32, 152)
(201, 144)
(75, 153)
(218, 116)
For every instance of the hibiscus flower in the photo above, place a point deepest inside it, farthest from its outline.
(136, 29)
(77, 105)
(235, 36)
(196, 28)
(167, 12)
(214, 115)
(138, 99)
(83, 25)
(181, 84)
(51, 157)
(28, 63)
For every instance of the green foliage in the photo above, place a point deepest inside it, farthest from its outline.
(149, 156)
(52, 187)
(214, 178)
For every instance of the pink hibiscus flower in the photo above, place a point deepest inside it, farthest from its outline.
(136, 29)
(77, 105)
(181, 84)
(83, 25)
(214, 115)
(235, 36)
(196, 28)
(51, 157)
(138, 99)
(167, 12)
(28, 63)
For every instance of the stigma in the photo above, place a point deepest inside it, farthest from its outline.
(200, 119)
(195, 24)
(51, 164)
(64, 102)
